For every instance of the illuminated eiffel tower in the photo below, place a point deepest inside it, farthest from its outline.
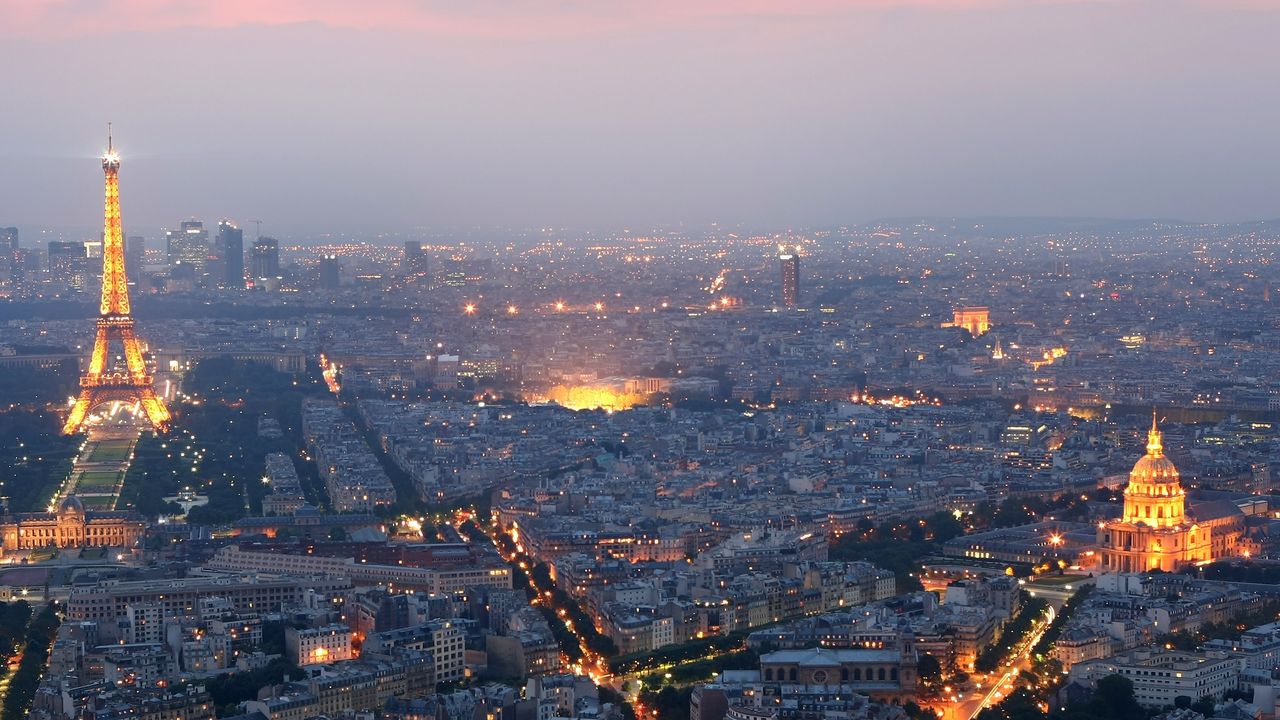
(100, 384)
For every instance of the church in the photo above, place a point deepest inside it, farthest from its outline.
(1158, 531)
(70, 526)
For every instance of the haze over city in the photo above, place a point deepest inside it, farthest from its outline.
(623, 360)
(390, 116)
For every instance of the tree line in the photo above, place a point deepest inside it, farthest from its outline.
(23, 684)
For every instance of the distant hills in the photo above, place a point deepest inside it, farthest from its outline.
(1003, 226)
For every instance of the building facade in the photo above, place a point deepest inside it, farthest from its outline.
(107, 602)
(790, 265)
(1156, 532)
(71, 526)
(312, 646)
(266, 258)
(977, 320)
(188, 245)
(231, 254)
(884, 675)
(1160, 676)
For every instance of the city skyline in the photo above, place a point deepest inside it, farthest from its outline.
(816, 114)
(640, 360)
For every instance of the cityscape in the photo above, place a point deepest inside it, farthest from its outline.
(999, 465)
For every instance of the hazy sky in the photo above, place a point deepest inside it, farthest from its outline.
(386, 115)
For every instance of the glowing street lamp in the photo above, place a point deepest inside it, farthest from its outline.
(469, 309)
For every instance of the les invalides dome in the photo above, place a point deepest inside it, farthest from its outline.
(1157, 530)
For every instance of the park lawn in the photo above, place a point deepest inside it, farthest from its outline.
(109, 451)
(98, 502)
(83, 487)
(98, 481)
(1056, 580)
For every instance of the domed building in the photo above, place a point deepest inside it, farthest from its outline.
(1157, 530)
(70, 526)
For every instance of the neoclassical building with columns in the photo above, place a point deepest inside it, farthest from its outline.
(70, 526)
(1157, 530)
(886, 675)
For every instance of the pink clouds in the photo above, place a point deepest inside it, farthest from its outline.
(478, 18)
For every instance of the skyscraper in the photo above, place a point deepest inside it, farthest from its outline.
(790, 262)
(9, 250)
(135, 257)
(68, 263)
(188, 245)
(9, 239)
(330, 272)
(415, 261)
(231, 251)
(266, 258)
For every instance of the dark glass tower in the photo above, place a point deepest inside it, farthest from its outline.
(231, 251)
(266, 258)
(330, 272)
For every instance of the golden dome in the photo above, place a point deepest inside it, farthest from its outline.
(1154, 495)
(1154, 470)
(1154, 467)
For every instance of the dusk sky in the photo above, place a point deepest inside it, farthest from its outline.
(390, 115)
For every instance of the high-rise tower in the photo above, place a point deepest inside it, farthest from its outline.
(330, 272)
(415, 261)
(231, 253)
(68, 263)
(100, 383)
(189, 246)
(9, 252)
(266, 258)
(790, 262)
(135, 258)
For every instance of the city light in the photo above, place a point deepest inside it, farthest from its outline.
(915, 465)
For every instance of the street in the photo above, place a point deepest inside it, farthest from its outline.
(994, 688)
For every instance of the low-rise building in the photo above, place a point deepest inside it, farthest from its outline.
(887, 675)
(1160, 676)
(314, 646)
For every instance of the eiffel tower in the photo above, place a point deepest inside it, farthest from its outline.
(100, 384)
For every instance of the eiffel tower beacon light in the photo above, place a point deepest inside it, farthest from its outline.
(100, 384)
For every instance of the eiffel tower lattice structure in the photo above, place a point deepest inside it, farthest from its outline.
(100, 383)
